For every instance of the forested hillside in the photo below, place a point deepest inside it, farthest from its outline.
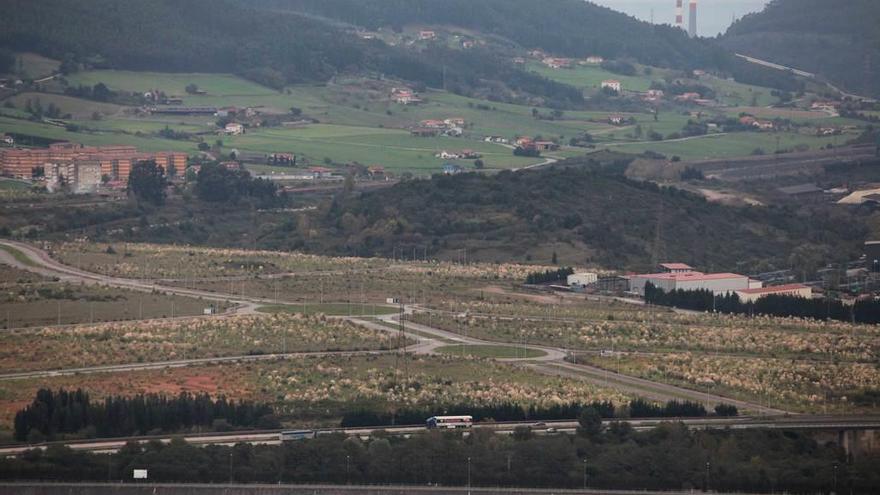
(565, 27)
(611, 220)
(839, 40)
(270, 47)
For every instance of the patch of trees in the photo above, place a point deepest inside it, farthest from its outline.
(549, 276)
(169, 133)
(694, 128)
(56, 414)
(670, 457)
(863, 311)
(621, 67)
(98, 92)
(516, 211)
(7, 61)
(531, 152)
(37, 110)
(147, 182)
(217, 184)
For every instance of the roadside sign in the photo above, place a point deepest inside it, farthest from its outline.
(140, 474)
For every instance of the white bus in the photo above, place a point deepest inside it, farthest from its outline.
(293, 435)
(450, 422)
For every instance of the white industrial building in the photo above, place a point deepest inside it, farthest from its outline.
(795, 290)
(582, 280)
(718, 283)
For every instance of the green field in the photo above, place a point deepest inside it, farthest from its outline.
(591, 77)
(91, 138)
(490, 351)
(77, 107)
(36, 66)
(170, 83)
(728, 145)
(13, 185)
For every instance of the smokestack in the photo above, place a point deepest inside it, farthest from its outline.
(679, 14)
(692, 29)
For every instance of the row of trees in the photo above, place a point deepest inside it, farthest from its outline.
(549, 276)
(60, 413)
(214, 184)
(670, 457)
(863, 311)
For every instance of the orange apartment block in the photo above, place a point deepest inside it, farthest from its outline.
(115, 161)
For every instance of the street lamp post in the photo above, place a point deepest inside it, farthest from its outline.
(707, 475)
(585, 474)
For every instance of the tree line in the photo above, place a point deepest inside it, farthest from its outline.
(55, 414)
(862, 311)
(670, 457)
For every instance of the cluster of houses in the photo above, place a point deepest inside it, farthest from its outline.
(459, 155)
(530, 144)
(453, 127)
(761, 125)
(612, 84)
(405, 96)
(653, 95)
(559, 62)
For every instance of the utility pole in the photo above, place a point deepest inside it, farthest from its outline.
(585, 474)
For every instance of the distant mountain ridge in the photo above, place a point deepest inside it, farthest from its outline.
(839, 40)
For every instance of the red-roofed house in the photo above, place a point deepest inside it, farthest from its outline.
(795, 290)
(433, 124)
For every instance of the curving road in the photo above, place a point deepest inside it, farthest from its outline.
(551, 362)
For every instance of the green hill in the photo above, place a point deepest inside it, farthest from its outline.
(271, 47)
(838, 40)
(582, 212)
(565, 27)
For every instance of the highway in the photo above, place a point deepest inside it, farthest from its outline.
(552, 362)
(271, 437)
(41, 488)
